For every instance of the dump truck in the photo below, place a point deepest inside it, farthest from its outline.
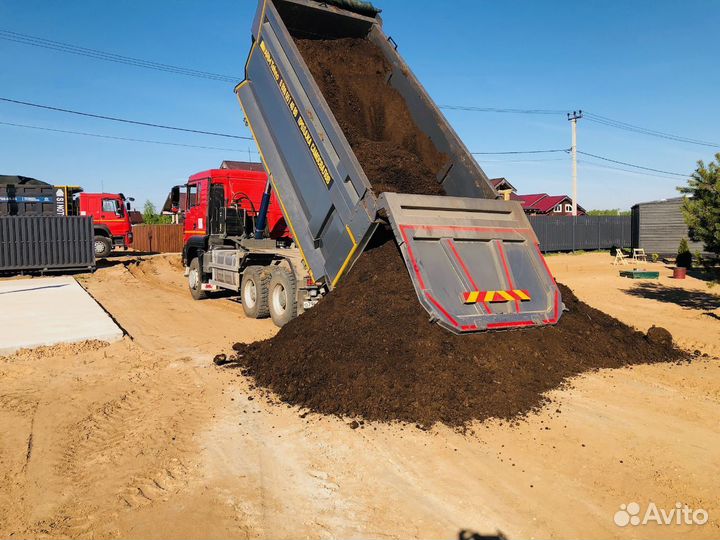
(110, 213)
(25, 196)
(473, 258)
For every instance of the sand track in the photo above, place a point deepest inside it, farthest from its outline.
(146, 438)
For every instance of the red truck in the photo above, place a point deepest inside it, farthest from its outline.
(236, 238)
(108, 210)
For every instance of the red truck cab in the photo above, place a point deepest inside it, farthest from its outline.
(241, 190)
(111, 222)
(236, 239)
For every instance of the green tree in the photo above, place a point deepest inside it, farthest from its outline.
(702, 208)
(611, 212)
(150, 215)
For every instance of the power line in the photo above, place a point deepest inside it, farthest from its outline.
(610, 167)
(36, 41)
(501, 110)
(522, 160)
(60, 46)
(632, 165)
(87, 134)
(124, 120)
(520, 152)
(604, 120)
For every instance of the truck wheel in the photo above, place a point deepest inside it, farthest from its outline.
(254, 292)
(195, 280)
(103, 246)
(283, 296)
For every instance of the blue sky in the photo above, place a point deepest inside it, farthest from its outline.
(649, 63)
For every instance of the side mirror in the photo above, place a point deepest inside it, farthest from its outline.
(128, 206)
(175, 198)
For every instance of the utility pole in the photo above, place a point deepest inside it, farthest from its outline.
(573, 118)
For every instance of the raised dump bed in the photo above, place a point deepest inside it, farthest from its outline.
(340, 173)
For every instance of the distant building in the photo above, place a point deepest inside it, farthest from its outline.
(136, 217)
(502, 184)
(537, 204)
(658, 227)
(542, 204)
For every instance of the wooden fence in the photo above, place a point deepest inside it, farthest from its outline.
(158, 238)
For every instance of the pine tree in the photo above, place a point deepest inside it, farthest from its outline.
(702, 208)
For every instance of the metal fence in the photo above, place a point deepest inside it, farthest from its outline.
(46, 243)
(567, 233)
(158, 238)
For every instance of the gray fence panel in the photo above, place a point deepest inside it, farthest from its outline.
(43, 243)
(565, 233)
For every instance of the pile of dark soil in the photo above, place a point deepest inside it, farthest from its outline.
(395, 155)
(368, 350)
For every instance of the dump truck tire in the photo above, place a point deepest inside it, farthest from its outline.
(283, 296)
(102, 246)
(195, 280)
(254, 292)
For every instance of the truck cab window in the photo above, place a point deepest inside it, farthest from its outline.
(113, 206)
(192, 195)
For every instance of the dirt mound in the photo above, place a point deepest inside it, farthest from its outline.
(395, 155)
(368, 350)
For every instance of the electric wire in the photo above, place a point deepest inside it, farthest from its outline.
(60, 46)
(130, 139)
(123, 120)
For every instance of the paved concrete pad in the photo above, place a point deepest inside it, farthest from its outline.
(46, 311)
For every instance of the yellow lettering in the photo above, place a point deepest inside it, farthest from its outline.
(304, 131)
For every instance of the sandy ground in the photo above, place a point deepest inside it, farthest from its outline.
(146, 438)
(689, 308)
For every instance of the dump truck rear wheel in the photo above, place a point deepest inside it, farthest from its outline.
(102, 246)
(195, 280)
(254, 292)
(283, 296)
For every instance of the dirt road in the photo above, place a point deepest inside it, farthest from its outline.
(146, 438)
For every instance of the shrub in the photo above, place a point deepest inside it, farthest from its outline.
(655, 257)
(684, 257)
(698, 258)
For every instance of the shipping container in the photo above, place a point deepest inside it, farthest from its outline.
(46, 243)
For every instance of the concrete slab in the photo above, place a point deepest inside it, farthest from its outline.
(46, 311)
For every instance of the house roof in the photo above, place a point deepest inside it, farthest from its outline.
(136, 217)
(659, 201)
(528, 201)
(501, 183)
(541, 202)
(549, 202)
(243, 165)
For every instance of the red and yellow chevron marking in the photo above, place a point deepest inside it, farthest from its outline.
(473, 297)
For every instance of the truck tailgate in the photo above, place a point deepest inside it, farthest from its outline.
(475, 263)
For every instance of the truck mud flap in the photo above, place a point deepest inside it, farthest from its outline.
(475, 263)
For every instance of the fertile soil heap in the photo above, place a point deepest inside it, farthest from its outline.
(395, 155)
(368, 348)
